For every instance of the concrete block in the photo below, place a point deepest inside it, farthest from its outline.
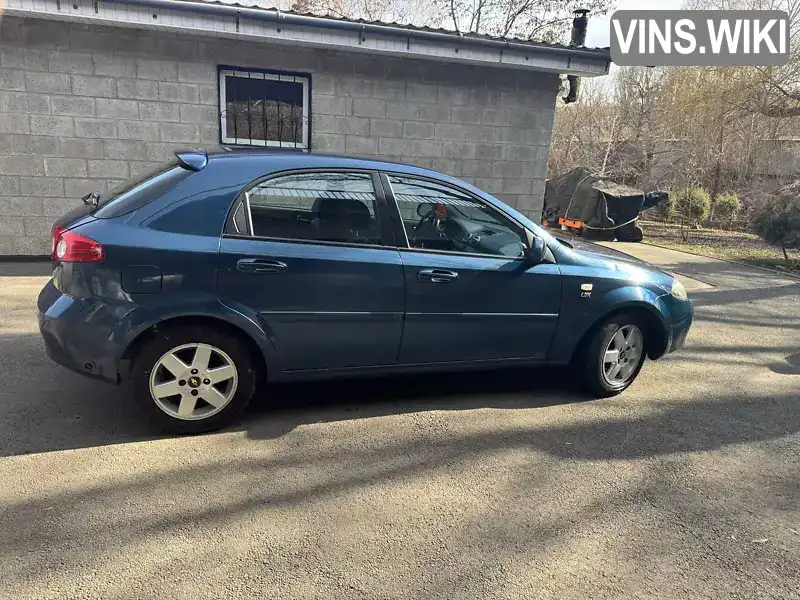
(209, 134)
(108, 169)
(77, 188)
(15, 227)
(511, 170)
(476, 168)
(451, 131)
(37, 145)
(65, 61)
(56, 83)
(418, 129)
(90, 85)
(30, 246)
(159, 70)
(95, 128)
(368, 107)
(510, 135)
(179, 49)
(52, 125)
(20, 102)
(452, 95)
(538, 137)
(517, 186)
(353, 87)
(26, 206)
(21, 165)
(55, 207)
(114, 65)
(65, 167)
(163, 150)
(9, 186)
(208, 94)
(519, 152)
(180, 132)
(458, 149)
(481, 133)
(199, 114)
(38, 226)
(369, 67)
(159, 111)
(23, 57)
(489, 151)
(466, 114)
(492, 185)
(82, 148)
(42, 186)
(75, 106)
(12, 80)
(496, 116)
(14, 123)
(448, 166)
(324, 84)
(91, 40)
(127, 150)
(408, 148)
(385, 128)
(388, 89)
(323, 123)
(111, 108)
(356, 144)
(178, 92)
(206, 73)
(138, 89)
(421, 92)
(352, 125)
(329, 105)
(328, 142)
(140, 168)
(46, 33)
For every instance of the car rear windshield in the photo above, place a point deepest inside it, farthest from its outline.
(140, 190)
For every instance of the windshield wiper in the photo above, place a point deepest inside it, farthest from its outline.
(91, 199)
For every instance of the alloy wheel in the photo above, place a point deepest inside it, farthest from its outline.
(193, 381)
(622, 354)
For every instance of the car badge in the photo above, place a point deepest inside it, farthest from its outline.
(586, 290)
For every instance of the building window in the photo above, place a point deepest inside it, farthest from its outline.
(260, 108)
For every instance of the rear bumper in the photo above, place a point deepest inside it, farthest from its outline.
(76, 333)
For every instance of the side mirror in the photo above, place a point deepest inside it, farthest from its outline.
(534, 253)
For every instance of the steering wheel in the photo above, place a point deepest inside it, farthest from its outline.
(427, 219)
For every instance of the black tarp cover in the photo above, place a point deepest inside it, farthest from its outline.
(598, 202)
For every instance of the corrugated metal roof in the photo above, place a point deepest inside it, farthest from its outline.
(266, 6)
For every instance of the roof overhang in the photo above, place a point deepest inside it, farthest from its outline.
(273, 26)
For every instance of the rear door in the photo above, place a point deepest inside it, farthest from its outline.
(470, 296)
(311, 252)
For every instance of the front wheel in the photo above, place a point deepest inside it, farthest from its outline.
(193, 379)
(614, 356)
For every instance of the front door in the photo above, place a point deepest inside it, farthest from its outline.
(470, 296)
(307, 252)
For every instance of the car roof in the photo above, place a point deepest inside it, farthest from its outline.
(292, 158)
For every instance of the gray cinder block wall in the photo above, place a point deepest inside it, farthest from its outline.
(84, 107)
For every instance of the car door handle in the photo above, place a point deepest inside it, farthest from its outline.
(437, 275)
(260, 265)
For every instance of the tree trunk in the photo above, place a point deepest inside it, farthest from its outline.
(785, 254)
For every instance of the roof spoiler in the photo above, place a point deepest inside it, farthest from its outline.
(193, 160)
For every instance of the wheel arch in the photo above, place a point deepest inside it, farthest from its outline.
(656, 335)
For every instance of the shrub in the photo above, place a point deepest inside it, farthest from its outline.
(727, 206)
(777, 219)
(666, 208)
(694, 204)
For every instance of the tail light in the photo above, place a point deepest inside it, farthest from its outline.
(69, 246)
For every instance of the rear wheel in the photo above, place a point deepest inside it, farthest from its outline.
(613, 356)
(193, 379)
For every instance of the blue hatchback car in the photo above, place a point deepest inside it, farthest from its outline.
(226, 266)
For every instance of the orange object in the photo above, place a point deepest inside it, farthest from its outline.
(572, 224)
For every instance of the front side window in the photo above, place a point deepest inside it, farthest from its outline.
(438, 217)
(264, 109)
(319, 206)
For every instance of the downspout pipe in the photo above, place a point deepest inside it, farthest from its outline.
(275, 16)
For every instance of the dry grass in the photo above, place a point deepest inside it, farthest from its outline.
(716, 243)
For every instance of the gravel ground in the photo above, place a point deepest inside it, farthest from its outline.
(494, 485)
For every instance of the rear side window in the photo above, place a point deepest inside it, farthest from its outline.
(143, 189)
(320, 206)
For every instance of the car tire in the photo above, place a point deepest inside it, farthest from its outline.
(220, 392)
(595, 358)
